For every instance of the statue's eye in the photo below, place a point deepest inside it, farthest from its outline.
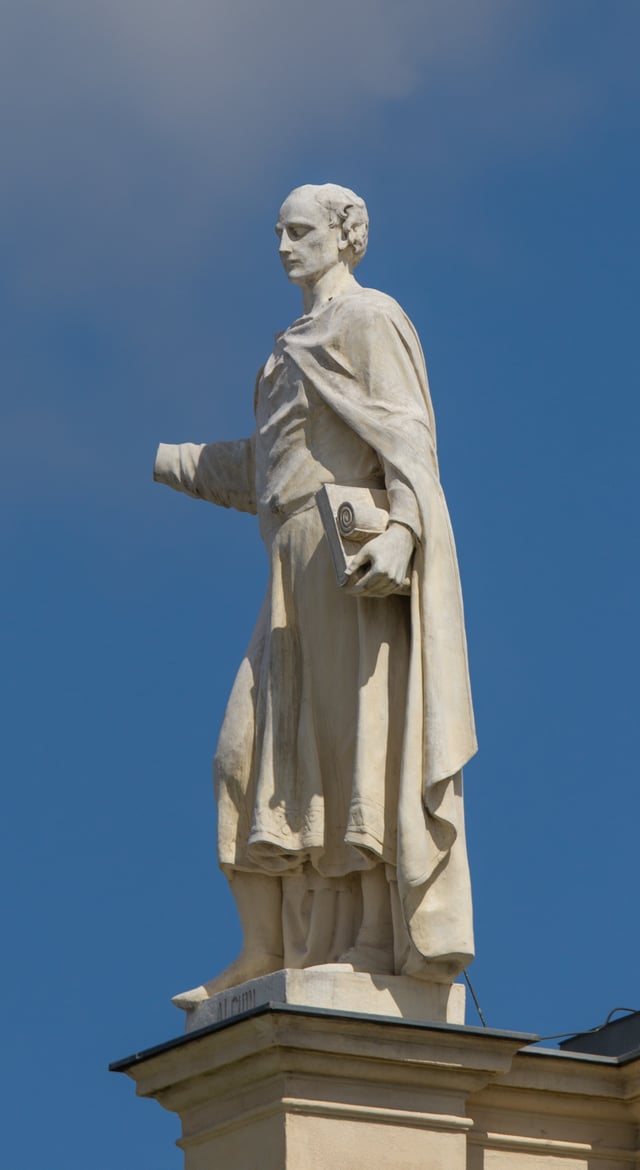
(296, 231)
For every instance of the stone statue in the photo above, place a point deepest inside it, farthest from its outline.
(338, 768)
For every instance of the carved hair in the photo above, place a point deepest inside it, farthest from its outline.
(348, 211)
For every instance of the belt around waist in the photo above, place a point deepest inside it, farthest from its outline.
(273, 508)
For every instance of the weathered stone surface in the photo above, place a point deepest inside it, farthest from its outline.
(305, 1089)
(296, 1088)
(338, 769)
(336, 987)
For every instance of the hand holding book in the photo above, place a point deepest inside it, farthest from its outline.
(370, 553)
(385, 560)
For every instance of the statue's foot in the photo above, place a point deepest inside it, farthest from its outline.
(247, 966)
(374, 960)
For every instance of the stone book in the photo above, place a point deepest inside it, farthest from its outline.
(352, 516)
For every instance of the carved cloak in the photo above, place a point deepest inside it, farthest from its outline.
(364, 358)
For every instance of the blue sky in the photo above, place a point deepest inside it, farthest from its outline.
(146, 148)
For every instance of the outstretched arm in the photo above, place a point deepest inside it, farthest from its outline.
(222, 473)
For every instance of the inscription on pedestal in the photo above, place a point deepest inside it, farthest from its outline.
(339, 988)
(234, 1003)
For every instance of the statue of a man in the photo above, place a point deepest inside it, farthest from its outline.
(338, 768)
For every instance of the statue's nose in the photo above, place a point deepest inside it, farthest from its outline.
(285, 245)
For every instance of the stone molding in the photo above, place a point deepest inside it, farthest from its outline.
(309, 1087)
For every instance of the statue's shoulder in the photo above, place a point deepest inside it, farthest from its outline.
(371, 305)
(370, 311)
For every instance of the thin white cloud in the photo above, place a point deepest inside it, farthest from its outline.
(138, 116)
(140, 120)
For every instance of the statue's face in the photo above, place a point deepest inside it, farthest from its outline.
(309, 246)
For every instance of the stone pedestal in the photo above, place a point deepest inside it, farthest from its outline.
(292, 1087)
(337, 987)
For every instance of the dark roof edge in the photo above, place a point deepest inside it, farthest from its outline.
(127, 1062)
(589, 1057)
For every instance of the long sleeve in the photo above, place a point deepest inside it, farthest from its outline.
(403, 506)
(222, 473)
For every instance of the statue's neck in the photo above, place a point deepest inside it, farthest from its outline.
(334, 283)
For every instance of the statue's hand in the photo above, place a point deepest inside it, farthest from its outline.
(385, 560)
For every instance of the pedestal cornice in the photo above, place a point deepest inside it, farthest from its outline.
(305, 1078)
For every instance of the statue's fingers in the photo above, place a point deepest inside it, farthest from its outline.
(372, 584)
(361, 584)
(382, 588)
(352, 582)
(381, 584)
(361, 558)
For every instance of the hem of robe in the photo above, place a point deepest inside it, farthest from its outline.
(273, 855)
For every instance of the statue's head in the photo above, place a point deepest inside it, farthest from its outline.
(320, 226)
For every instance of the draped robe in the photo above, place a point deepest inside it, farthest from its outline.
(351, 718)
